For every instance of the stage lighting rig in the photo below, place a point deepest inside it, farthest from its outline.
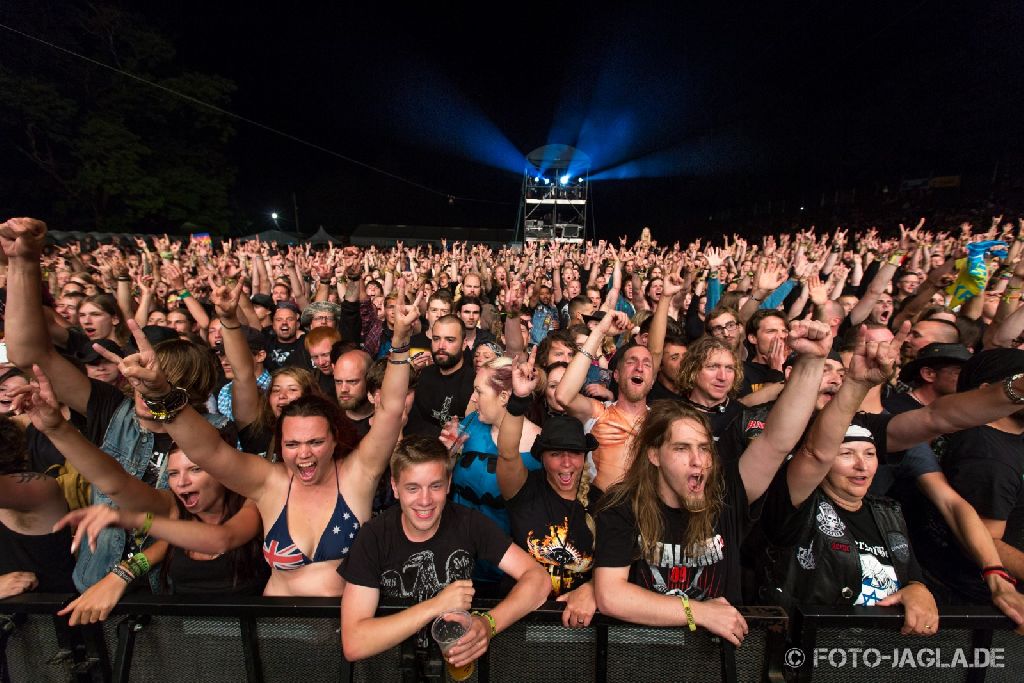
(551, 206)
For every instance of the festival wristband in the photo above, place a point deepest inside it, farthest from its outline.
(690, 622)
(486, 616)
(139, 565)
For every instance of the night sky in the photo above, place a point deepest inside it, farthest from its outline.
(723, 104)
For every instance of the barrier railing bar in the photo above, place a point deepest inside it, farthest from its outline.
(980, 639)
(601, 654)
(251, 650)
(126, 630)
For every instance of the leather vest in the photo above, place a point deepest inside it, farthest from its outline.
(823, 567)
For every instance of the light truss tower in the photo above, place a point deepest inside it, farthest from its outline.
(556, 184)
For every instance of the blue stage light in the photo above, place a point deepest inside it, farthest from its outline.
(536, 179)
(564, 180)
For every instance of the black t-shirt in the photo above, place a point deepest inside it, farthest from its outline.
(783, 523)
(554, 531)
(758, 375)
(901, 402)
(286, 354)
(42, 452)
(439, 397)
(713, 572)
(986, 467)
(255, 440)
(384, 558)
(104, 400)
(658, 392)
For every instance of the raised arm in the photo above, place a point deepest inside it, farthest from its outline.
(787, 420)
(373, 453)
(511, 470)
(872, 363)
(27, 338)
(243, 473)
(952, 413)
(568, 391)
(245, 392)
(98, 468)
(673, 284)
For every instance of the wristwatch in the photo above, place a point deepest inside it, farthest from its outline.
(165, 408)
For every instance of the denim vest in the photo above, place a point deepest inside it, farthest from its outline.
(131, 446)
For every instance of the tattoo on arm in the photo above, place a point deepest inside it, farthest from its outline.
(25, 477)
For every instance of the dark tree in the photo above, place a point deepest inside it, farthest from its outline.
(96, 149)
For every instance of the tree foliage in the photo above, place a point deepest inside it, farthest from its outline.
(106, 151)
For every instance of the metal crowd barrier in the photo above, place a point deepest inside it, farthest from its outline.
(157, 638)
(848, 645)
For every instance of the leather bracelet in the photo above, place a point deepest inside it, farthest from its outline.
(229, 327)
(122, 573)
(400, 361)
(401, 349)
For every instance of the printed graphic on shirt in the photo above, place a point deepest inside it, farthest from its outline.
(419, 579)
(695, 575)
(805, 556)
(878, 577)
(829, 522)
(564, 561)
(442, 416)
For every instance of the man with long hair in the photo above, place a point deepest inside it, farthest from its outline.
(671, 530)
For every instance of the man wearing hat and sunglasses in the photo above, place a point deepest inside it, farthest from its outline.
(549, 508)
(931, 374)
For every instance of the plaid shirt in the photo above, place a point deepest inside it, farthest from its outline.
(224, 396)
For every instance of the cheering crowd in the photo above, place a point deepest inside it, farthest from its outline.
(658, 432)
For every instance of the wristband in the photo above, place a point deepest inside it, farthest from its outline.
(229, 327)
(404, 348)
(490, 622)
(184, 294)
(138, 565)
(1000, 572)
(142, 533)
(122, 573)
(689, 612)
(518, 405)
(400, 361)
(123, 278)
(325, 282)
(583, 352)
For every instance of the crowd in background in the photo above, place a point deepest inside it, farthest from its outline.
(655, 430)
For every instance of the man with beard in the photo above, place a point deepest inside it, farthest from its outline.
(285, 348)
(723, 323)
(444, 388)
(671, 531)
(613, 423)
(350, 388)
(766, 332)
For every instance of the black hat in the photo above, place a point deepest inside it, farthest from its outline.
(932, 356)
(263, 300)
(89, 355)
(154, 335)
(253, 337)
(563, 433)
(990, 366)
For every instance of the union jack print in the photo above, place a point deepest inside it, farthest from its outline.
(288, 557)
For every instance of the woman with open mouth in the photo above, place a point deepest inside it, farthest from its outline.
(549, 507)
(313, 503)
(213, 528)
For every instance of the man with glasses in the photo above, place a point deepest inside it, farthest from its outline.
(723, 323)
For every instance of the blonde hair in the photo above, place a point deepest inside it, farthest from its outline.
(697, 355)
